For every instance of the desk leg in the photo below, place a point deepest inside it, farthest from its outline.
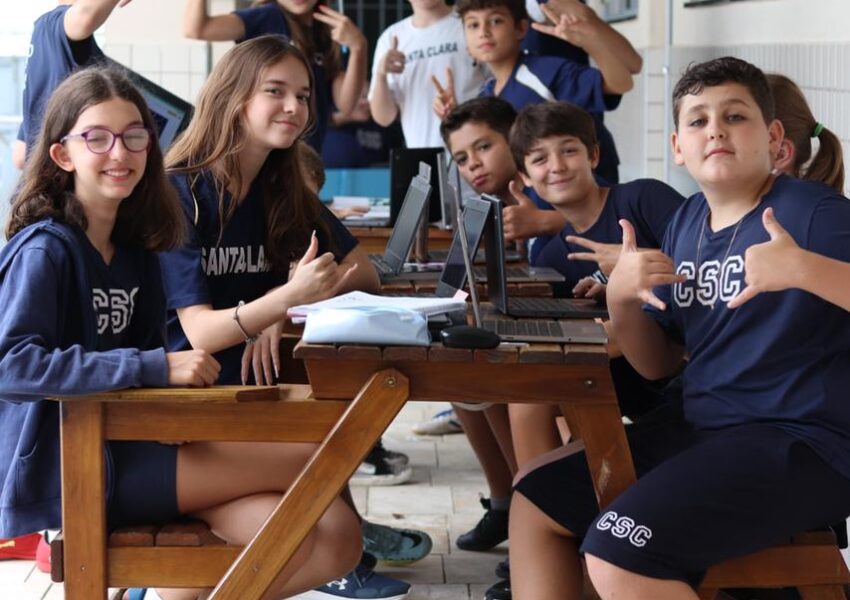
(319, 483)
(606, 448)
(83, 500)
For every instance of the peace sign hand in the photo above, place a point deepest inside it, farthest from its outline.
(568, 26)
(343, 30)
(637, 272)
(766, 264)
(445, 100)
(605, 255)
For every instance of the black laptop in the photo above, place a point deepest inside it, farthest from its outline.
(391, 262)
(497, 282)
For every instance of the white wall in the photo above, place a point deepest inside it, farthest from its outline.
(814, 51)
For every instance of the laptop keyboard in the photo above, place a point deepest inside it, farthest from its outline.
(382, 267)
(536, 328)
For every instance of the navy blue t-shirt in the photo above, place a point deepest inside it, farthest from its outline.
(115, 291)
(648, 204)
(540, 78)
(781, 358)
(52, 58)
(541, 44)
(220, 268)
(268, 18)
(360, 145)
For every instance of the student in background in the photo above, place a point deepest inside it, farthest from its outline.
(494, 30)
(84, 313)
(62, 42)
(801, 128)
(355, 141)
(335, 86)
(765, 421)
(243, 190)
(407, 55)
(780, 264)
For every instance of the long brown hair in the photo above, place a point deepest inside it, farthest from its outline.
(149, 217)
(800, 127)
(321, 43)
(216, 136)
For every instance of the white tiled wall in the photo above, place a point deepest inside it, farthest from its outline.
(821, 70)
(180, 67)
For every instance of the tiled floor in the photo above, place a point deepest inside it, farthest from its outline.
(442, 499)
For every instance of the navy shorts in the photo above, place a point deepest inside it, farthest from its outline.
(143, 485)
(701, 497)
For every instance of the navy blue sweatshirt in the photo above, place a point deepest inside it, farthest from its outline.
(48, 341)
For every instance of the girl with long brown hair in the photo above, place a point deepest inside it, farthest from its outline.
(237, 169)
(84, 312)
(335, 87)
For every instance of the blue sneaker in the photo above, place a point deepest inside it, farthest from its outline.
(361, 584)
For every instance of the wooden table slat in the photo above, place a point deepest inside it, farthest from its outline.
(439, 353)
(541, 353)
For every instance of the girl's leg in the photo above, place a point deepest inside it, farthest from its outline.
(248, 483)
(545, 563)
(613, 582)
(534, 430)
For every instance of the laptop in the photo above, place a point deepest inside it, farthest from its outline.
(497, 283)
(403, 166)
(170, 112)
(401, 239)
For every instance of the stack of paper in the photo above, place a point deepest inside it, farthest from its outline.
(426, 306)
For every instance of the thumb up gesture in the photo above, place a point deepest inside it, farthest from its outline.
(393, 60)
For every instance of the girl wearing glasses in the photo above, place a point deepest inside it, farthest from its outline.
(83, 312)
(335, 87)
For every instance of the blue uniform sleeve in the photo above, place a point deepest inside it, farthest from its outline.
(655, 204)
(829, 228)
(263, 19)
(341, 242)
(183, 277)
(582, 86)
(34, 363)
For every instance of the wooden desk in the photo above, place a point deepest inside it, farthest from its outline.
(374, 239)
(364, 387)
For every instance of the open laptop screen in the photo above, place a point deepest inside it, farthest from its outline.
(404, 232)
(404, 164)
(170, 112)
(454, 275)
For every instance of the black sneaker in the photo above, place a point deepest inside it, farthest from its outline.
(382, 467)
(490, 531)
(499, 591)
(503, 569)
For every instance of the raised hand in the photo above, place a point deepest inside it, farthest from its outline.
(445, 100)
(570, 24)
(637, 272)
(343, 30)
(605, 255)
(318, 277)
(766, 265)
(393, 61)
(192, 367)
(263, 356)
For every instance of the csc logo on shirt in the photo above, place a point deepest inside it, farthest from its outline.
(114, 308)
(624, 528)
(710, 282)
